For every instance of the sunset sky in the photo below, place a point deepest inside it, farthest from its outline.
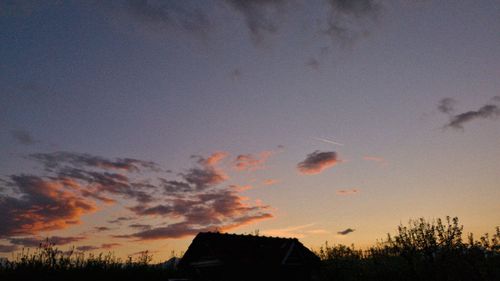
(133, 125)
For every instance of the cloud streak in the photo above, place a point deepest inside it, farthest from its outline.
(317, 161)
(347, 192)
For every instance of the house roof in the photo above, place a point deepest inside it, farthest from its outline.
(233, 249)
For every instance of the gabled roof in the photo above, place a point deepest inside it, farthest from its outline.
(212, 248)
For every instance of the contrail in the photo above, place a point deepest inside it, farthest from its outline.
(328, 141)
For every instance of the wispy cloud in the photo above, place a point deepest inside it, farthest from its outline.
(347, 192)
(250, 162)
(447, 105)
(317, 161)
(328, 141)
(488, 111)
(260, 16)
(298, 231)
(345, 18)
(270, 181)
(159, 15)
(37, 241)
(346, 231)
(23, 137)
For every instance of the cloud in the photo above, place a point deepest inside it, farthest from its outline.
(87, 248)
(120, 219)
(317, 161)
(260, 16)
(346, 192)
(299, 231)
(37, 241)
(39, 205)
(110, 245)
(159, 15)
(249, 162)
(488, 111)
(221, 209)
(73, 183)
(270, 181)
(345, 17)
(101, 228)
(447, 105)
(140, 226)
(105, 246)
(376, 159)
(346, 231)
(313, 63)
(23, 137)
(8, 248)
(62, 158)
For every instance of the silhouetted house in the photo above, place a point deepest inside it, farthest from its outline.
(217, 256)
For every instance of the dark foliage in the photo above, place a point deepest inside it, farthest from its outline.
(420, 251)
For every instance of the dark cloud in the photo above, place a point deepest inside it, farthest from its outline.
(140, 226)
(345, 17)
(23, 137)
(173, 186)
(168, 14)
(39, 205)
(317, 161)
(346, 231)
(447, 105)
(121, 219)
(62, 158)
(105, 246)
(8, 248)
(496, 99)
(110, 245)
(32, 242)
(101, 228)
(260, 15)
(488, 111)
(87, 248)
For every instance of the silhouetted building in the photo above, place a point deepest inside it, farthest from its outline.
(217, 256)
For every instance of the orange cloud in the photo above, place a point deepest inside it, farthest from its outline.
(317, 161)
(215, 158)
(44, 205)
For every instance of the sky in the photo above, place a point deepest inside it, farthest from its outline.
(133, 125)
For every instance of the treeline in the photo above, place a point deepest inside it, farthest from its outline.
(422, 250)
